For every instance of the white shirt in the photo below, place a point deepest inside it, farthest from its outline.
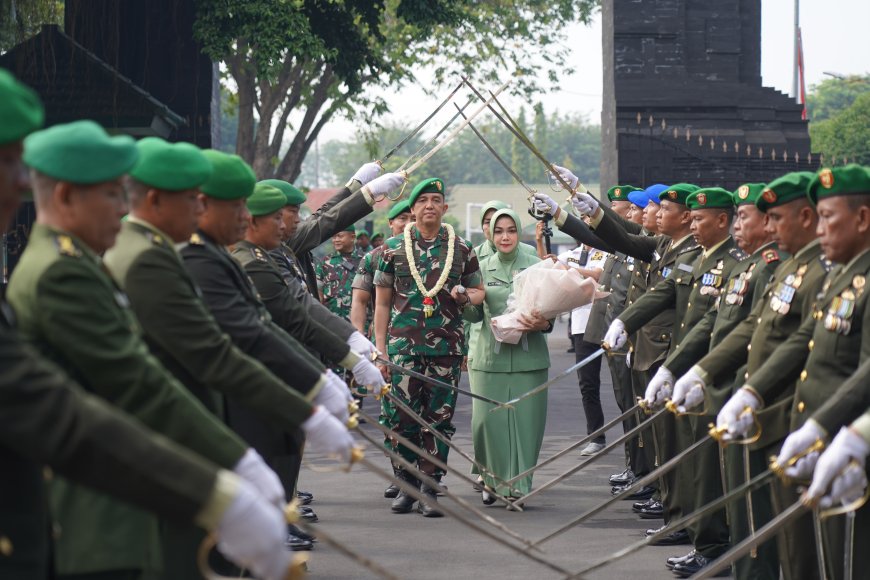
(589, 258)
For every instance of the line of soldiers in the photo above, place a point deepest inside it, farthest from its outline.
(168, 383)
(762, 332)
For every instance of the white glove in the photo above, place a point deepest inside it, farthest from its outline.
(386, 183)
(334, 396)
(798, 442)
(367, 375)
(616, 336)
(251, 533)
(367, 172)
(567, 176)
(689, 391)
(831, 470)
(585, 203)
(659, 388)
(326, 434)
(734, 417)
(360, 344)
(545, 204)
(254, 470)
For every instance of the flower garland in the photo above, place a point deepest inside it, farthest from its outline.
(428, 302)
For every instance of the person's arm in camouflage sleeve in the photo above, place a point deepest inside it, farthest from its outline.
(177, 320)
(472, 279)
(116, 364)
(693, 347)
(361, 292)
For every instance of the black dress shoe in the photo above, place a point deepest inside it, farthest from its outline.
(305, 495)
(627, 476)
(639, 505)
(429, 508)
(653, 531)
(391, 491)
(296, 543)
(295, 531)
(695, 565)
(487, 497)
(652, 511)
(673, 539)
(404, 503)
(646, 492)
(309, 517)
(673, 561)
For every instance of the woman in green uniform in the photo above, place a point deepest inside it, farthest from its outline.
(507, 442)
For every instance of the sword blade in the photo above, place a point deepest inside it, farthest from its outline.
(849, 547)
(546, 385)
(434, 382)
(766, 532)
(820, 543)
(645, 480)
(342, 548)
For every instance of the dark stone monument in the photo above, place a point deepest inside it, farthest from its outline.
(683, 99)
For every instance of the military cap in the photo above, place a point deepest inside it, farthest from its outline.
(294, 194)
(620, 192)
(848, 180)
(653, 191)
(431, 185)
(678, 193)
(351, 228)
(782, 190)
(231, 178)
(20, 109)
(265, 200)
(748, 193)
(639, 198)
(168, 166)
(398, 209)
(80, 152)
(710, 198)
(362, 233)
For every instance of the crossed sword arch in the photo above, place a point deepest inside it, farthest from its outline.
(520, 545)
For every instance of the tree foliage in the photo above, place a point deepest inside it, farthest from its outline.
(846, 135)
(831, 96)
(21, 19)
(297, 64)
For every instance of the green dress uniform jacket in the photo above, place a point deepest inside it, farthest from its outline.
(69, 307)
(185, 337)
(286, 311)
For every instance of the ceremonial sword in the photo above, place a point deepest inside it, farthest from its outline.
(430, 381)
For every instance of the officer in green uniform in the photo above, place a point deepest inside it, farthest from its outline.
(46, 418)
(335, 273)
(424, 278)
(163, 188)
(69, 307)
(827, 347)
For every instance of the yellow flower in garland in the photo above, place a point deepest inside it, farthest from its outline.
(428, 295)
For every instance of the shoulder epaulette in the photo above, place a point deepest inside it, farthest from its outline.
(259, 254)
(737, 254)
(196, 239)
(66, 246)
(770, 255)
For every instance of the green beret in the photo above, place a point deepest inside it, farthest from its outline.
(748, 193)
(80, 152)
(351, 228)
(398, 209)
(620, 192)
(294, 194)
(231, 178)
(431, 185)
(848, 180)
(20, 109)
(678, 193)
(785, 189)
(362, 233)
(265, 200)
(710, 198)
(168, 166)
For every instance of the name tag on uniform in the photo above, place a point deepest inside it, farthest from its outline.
(685, 267)
(496, 283)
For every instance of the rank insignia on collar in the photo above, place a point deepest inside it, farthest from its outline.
(196, 239)
(770, 256)
(67, 247)
(259, 254)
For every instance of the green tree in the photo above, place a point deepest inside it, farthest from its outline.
(846, 135)
(296, 64)
(21, 19)
(831, 96)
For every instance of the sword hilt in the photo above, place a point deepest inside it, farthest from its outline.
(717, 432)
(841, 509)
(779, 470)
(352, 422)
(672, 407)
(352, 407)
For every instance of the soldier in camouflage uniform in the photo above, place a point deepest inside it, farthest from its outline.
(418, 306)
(335, 273)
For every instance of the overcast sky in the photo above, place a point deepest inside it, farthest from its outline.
(834, 34)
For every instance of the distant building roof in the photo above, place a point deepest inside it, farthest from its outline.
(318, 196)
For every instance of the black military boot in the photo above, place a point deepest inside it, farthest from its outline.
(404, 503)
(428, 508)
(392, 490)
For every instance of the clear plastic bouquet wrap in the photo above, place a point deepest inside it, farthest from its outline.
(547, 288)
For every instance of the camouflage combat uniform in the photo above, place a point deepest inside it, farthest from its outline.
(334, 276)
(433, 346)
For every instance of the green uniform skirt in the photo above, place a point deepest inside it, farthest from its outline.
(508, 442)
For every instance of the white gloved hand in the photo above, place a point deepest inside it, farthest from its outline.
(545, 204)
(689, 391)
(386, 183)
(831, 470)
(251, 533)
(254, 470)
(734, 416)
(367, 172)
(659, 388)
(798, 442)
(326, 434)
(360, 344)
(334, 395)
(567, 176)
(585, 203)
(367, 375)
(616, 337)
